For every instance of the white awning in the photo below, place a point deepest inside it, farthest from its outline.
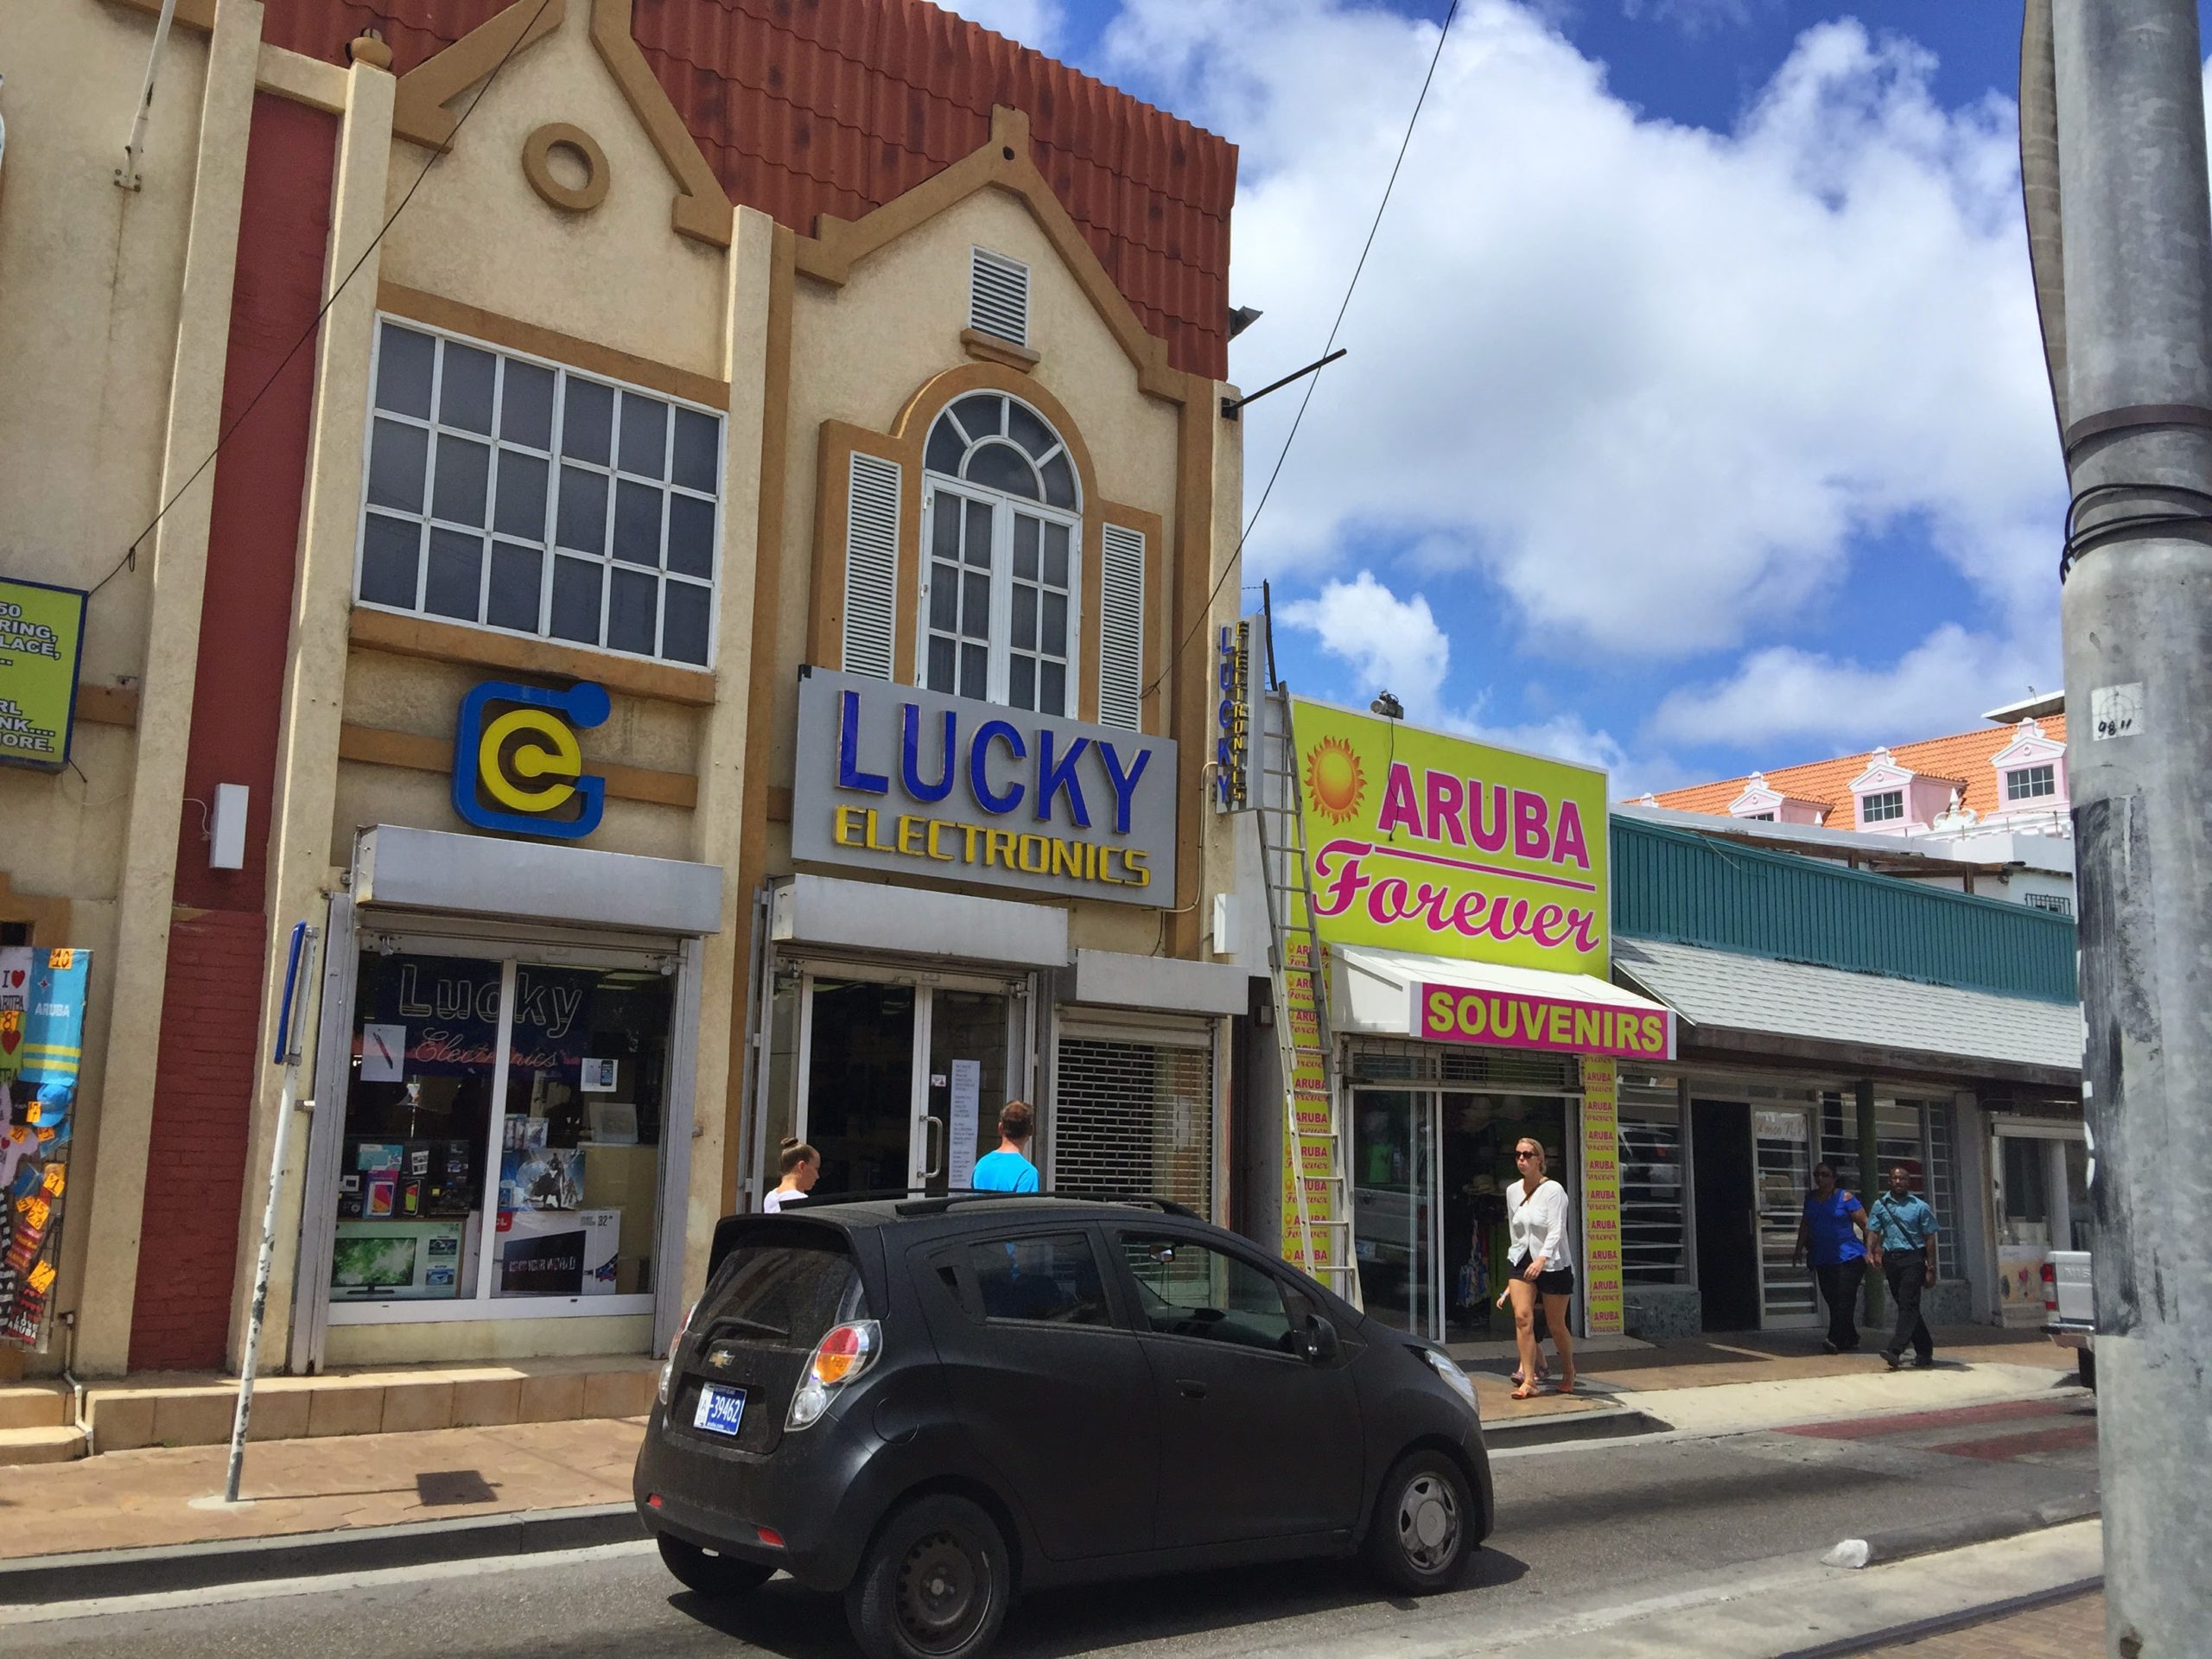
(1442, 999)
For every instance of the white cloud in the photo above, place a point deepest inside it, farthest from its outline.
(1397, 644)
(1650, 381)
(1032, 22)
(1941, 685)
(1692, 16)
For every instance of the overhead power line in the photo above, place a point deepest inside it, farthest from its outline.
(1314, 384)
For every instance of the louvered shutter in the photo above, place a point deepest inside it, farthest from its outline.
(998, 296)
(871, 564)
(1121, 628)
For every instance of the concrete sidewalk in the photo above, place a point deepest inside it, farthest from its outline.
(165, 1498)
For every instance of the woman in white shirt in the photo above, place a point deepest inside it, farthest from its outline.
(802, 1167)
(1541, 1264)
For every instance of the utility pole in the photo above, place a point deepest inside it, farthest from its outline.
(2114, 88)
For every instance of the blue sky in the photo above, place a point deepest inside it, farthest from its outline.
(1694, 419)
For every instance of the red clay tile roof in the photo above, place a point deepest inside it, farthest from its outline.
(805, 107)
(1964, 758)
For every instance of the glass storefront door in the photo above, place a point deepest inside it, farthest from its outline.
(902, 1079)
(1781, 1164)
(1392, 1240)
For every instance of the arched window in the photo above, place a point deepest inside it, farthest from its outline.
(1003, 521)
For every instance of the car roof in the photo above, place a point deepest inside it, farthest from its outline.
(893, 1209)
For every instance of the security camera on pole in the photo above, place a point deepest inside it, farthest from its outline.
(2113, 162)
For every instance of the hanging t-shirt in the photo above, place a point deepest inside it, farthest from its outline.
(1004, 1171)
(1834, 1239)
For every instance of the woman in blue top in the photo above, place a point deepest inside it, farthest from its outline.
(1836, 1225)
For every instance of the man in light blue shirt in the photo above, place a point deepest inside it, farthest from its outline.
(1901, 1233)
(1007, 1170)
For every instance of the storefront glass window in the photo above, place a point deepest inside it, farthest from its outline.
(579, 1147)
(1390, 1205)
(1651, 1185)
(565, 1159)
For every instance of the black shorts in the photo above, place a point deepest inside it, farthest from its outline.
(1555, 1281)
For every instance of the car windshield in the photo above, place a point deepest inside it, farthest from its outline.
(787, 1295)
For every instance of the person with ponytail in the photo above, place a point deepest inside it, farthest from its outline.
(802, 1167)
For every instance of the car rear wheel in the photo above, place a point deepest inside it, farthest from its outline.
(720, 1576)
(1424, 1525)
(934, 1585)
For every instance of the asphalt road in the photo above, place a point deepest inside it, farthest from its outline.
(1575, 1525)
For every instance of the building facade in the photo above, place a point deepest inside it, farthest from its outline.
(681, 538)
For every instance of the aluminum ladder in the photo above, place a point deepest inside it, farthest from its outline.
(1318, 1208)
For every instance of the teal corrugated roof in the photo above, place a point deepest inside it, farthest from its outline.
(1691, 889)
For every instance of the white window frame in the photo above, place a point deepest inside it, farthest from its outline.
(2046, 772)
(1003, 504)
(1885, 796)
(562, 372)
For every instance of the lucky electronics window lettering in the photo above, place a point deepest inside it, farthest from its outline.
(521, 496)
(1002, 523)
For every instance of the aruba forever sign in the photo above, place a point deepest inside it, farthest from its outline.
(918, 784)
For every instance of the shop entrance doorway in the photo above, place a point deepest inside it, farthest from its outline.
(2041, 1192)
(1727, 1231)
(900, 1080)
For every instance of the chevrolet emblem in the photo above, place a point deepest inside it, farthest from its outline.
(720, 1359)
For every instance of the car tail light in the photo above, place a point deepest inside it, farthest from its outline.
(675, 1345)
(2050, 1289)
(847, 1351)
(769, 1537)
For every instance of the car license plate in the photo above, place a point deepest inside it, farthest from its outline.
(721, 1409)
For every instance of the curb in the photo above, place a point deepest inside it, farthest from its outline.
(1944, 1624)
(1877, 1549)
(92, 1574)
(1559, 1428)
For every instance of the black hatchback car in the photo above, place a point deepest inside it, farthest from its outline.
(930, 1404)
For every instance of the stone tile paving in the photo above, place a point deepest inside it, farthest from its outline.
(2068, 1630)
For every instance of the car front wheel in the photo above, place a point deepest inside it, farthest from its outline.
(1424, 1525)
(720, 1576)
(934, 1585)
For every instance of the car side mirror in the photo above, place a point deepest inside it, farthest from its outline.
(1318, 1344)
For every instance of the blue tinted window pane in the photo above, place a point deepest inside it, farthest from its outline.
(633, 611)
(517, 573)
(455, 581)
(390, 561)
(1021, 682)
(690, 536)
(521, 509)
(687, 619)
(575, 599)
(583, 509)
(1025, 429)
(465, 388)
(587, 422)
(1060, 482)
(982, 416)
(1001, 466)
(398, 463)
(940, 665)
(637, 522)
(644, 436)
(403, 370)
(526, 404)
(946, 447)
(1052, 692)
(464, 475)
(698, 450)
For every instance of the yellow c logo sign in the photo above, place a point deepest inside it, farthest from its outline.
(549, 751)
(518, 767)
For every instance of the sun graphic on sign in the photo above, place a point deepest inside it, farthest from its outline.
(1334, 782)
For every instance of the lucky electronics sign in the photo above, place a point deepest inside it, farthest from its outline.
(918, 784)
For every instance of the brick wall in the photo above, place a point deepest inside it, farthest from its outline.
(195, 1163)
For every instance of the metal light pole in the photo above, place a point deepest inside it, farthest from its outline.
(2113, 89)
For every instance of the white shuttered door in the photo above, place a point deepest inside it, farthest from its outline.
(1120, 627)
(871, 563)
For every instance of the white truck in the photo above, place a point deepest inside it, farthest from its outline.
(2069, 1309)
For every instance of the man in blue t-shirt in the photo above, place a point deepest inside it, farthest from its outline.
(1007, 1170)
(1901, 1227)
(1832, 1226)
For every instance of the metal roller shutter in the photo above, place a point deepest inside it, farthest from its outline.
(1130, 1116)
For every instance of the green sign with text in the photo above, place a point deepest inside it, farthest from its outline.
(41, 639)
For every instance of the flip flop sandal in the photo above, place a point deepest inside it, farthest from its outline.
(1524, 1392)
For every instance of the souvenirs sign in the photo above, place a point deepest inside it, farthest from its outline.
(41, 1050)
